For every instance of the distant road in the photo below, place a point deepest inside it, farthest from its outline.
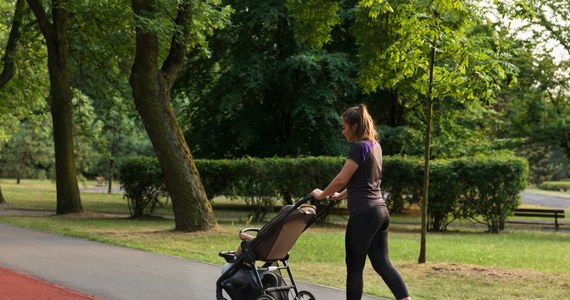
(546, 201)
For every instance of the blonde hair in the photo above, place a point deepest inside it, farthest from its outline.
(365, 129)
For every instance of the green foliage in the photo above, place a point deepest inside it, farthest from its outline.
(142, 179)
(545, 162)
(313, 20)
(536, 110)
(538, 107)
(29, 151)
(101, 55)
(467, 65)
(26, 91)
(261, 94)
(555, 185)
(87, 132)
(459, 130)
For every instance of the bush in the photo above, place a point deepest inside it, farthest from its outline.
(492, 187)
(445, 191)
(563, 185)
(401, 181)
(479, 188)
(144, 185)
(263, 182)
(482, 189)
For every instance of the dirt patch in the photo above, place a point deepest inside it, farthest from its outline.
(7, 211)
(91, 215)
(467, 271)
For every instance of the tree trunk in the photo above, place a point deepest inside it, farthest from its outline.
(55, 34)
(424, 201)
(151, 92)
(2, 200)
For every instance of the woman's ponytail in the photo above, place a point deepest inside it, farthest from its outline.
(365, 128)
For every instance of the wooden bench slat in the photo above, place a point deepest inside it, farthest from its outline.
(555, 214)
(538, 215)
(539, 210)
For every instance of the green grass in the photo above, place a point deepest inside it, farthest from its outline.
(464, 263)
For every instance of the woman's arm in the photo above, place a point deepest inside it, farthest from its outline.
(338, 182)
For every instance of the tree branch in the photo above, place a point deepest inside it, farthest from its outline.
(42, 18)
(175, 59)
(8, 70)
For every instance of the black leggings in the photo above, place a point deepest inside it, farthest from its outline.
(367, 234)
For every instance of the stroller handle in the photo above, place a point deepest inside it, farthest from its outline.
(308, 198)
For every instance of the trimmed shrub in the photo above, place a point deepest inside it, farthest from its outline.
(492, 188)
(482, 189)
(263, 182)
(144, 185)
(401, 181)
(445, 191)
(563, 185)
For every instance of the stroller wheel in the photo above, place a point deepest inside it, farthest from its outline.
(304, 295)
(264, 297)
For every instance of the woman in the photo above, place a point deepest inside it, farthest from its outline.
(367, 228)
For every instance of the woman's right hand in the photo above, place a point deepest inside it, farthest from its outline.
(336, 196)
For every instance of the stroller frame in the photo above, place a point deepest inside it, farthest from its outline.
(249, 253)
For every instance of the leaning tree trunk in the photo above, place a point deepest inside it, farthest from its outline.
(55, 34)
(151, 92)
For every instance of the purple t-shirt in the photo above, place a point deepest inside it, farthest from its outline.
(364, 185)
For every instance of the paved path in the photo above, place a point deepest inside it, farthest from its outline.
(547, 201)
(111, 272)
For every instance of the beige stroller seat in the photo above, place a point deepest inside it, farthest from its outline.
(276, 238)
(242, 279)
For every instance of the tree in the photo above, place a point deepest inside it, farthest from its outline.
(274, 95)
(536, 108)
(29, 153)
(54, 32)
(101, 54)
(151, 88)
(8, 67)
(22, 83)
(426, 56)
(550, 20)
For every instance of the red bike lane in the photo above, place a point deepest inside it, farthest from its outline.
(18, 286)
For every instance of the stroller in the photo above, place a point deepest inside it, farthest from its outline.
(243, 279)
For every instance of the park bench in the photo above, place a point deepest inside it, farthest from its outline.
(100, 180)
(539, 213)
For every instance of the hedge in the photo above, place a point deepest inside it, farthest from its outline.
(563, 185)
(481, 189)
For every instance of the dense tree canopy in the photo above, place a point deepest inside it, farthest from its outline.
(274, 96)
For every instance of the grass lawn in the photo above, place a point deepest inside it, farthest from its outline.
(463, 263)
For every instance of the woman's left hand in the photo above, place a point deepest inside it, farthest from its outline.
(317, 194)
